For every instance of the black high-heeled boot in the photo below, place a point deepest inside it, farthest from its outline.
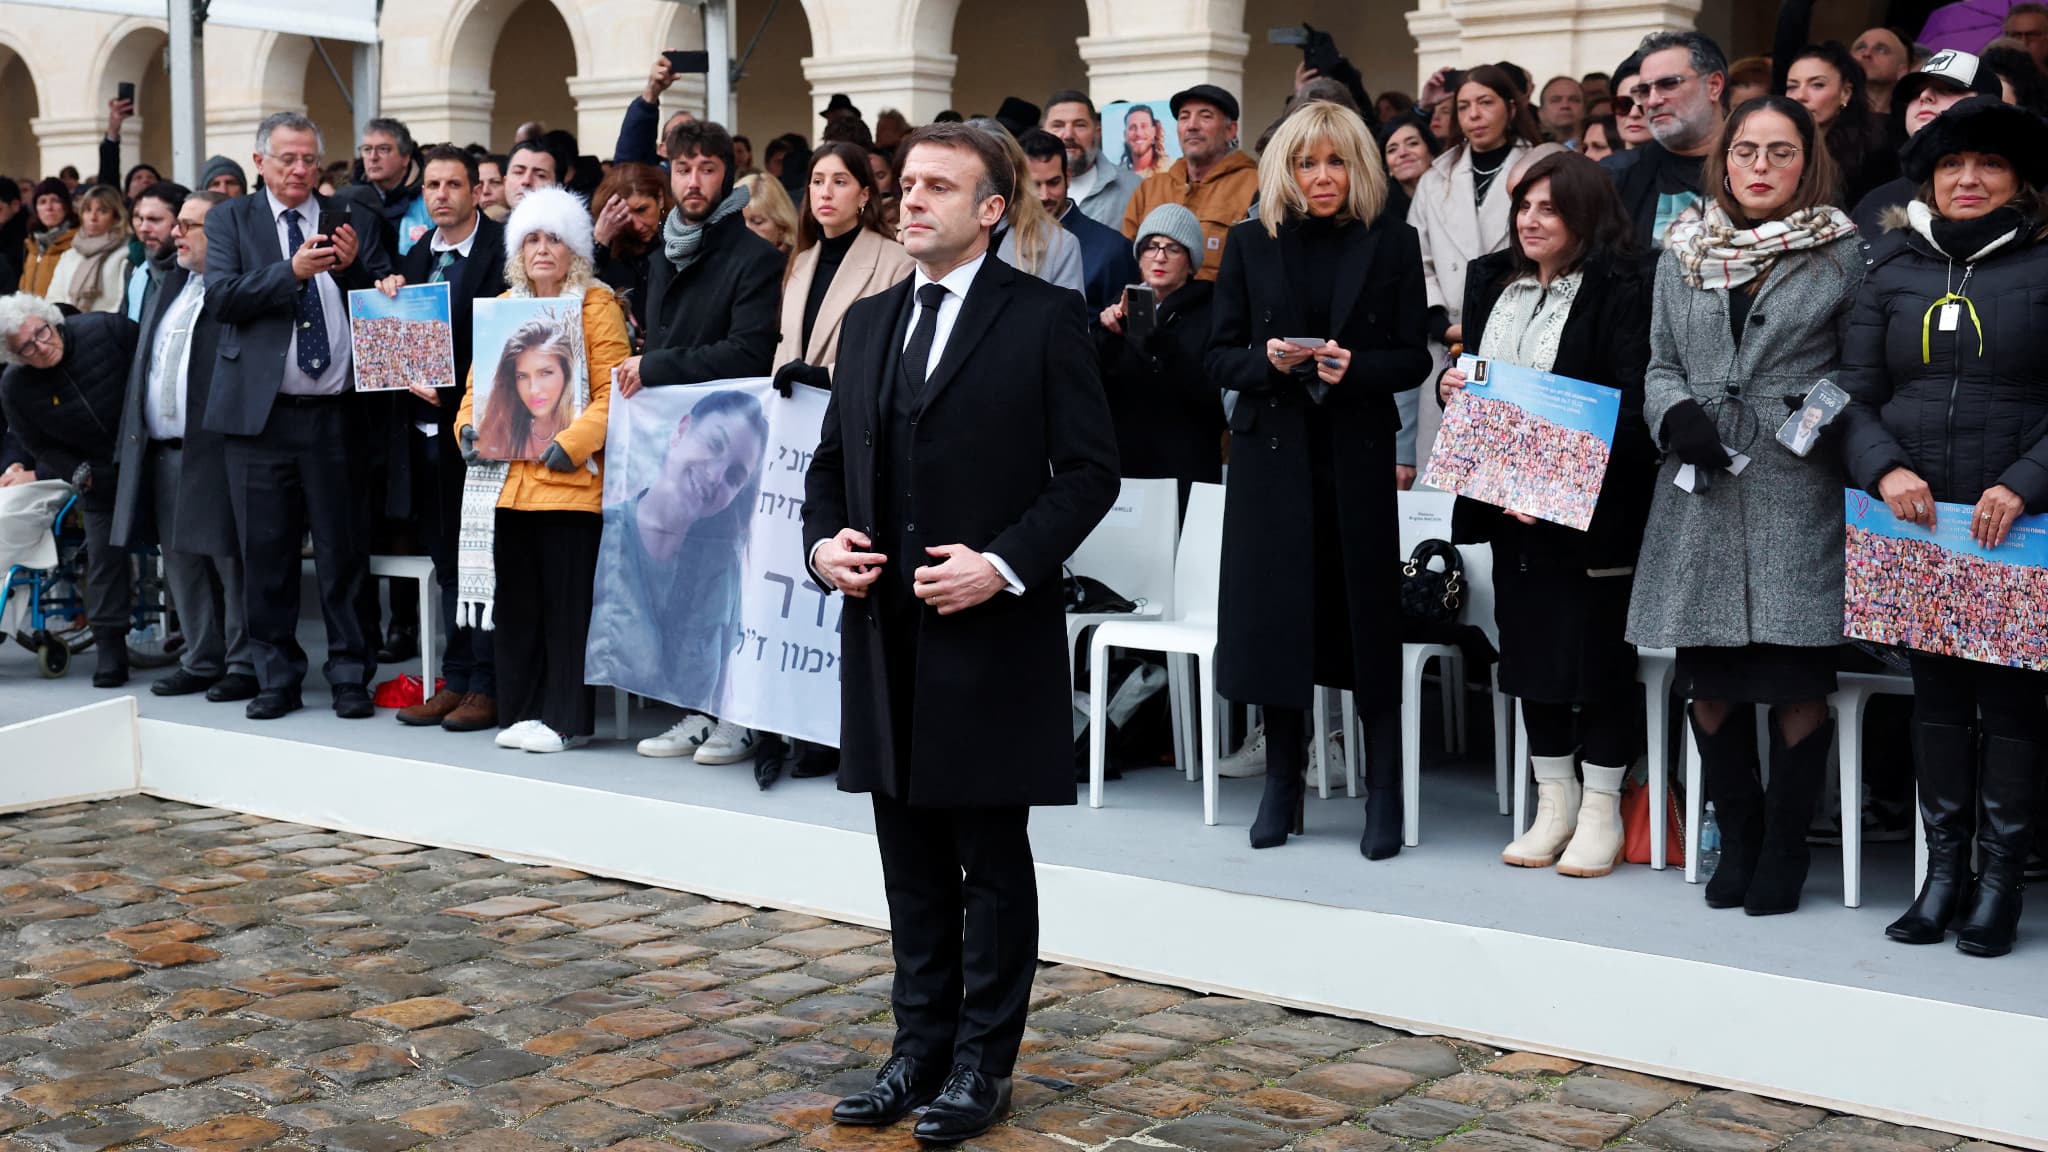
(1384, 808)
(1798, 773)
(2007, 792)
(1280, 806)
(1945, 768)
(1729, 771)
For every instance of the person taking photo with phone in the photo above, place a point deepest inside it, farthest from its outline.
(1152, 343)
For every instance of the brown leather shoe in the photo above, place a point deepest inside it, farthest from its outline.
(431, 710)
(476, 713)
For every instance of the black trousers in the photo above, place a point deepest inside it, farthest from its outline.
(963, 919)
(294, 476)
(109, 571)
(1602, 731)
(547, 567)
(1949, 690)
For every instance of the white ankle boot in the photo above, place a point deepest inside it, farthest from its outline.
(1596, 846)
(1557, 814)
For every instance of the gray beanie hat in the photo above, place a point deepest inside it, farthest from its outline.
(1176, 224)
(222, 166)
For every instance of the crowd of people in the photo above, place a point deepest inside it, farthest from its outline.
(1920, 595)
(181, 358)
(394, 353)
(1498, 452)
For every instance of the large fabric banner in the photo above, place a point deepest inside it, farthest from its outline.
(702, 597)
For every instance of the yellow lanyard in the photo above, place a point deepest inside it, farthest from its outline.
(1927, 324)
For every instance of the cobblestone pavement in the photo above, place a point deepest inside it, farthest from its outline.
(183, 978)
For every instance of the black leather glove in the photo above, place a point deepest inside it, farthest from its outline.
(797, 372)
(1691, 436)
(81, 477)
(556, 459)
(468, 438)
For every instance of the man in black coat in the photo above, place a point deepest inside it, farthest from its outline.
(281, 396)
(62, 395)
(965, 454)
(173, 488)
(466, 251)
(714, 289)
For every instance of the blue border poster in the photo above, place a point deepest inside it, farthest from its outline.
(1527, 441)
(1936, 590)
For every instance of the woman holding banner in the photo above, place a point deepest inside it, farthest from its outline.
(1566, 297)
(1741, 566)
(530, 528)
(1949, 403)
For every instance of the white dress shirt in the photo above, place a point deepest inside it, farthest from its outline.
(438, 246)
(333, 378)
(163, 395)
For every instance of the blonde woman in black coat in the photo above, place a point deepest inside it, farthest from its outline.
(1310, 530)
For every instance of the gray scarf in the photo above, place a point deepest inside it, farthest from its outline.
(684, 242)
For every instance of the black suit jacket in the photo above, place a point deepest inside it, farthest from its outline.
(249, 280)
(720, 318)
(1107, 263)
(205, 520)
(1012, 454)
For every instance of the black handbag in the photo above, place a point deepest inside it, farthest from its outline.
(1429, 596)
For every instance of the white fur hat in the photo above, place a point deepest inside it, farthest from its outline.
(556, 211)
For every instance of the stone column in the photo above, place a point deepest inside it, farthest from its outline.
(918, 84)
(75, 140)
(1149, 49)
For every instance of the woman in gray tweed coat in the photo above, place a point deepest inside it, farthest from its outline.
(1743, 573)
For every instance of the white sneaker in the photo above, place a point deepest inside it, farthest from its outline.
(515, 736)
(1248, 760)
(728, 744)
(546, 739)
(682, 739)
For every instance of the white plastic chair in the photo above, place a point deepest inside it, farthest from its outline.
(1477, 611)
(421, 569)
(1191, 630)
(1131, 551)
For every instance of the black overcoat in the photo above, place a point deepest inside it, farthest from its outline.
(1012, 454)
(1266, 611)
(205, 522)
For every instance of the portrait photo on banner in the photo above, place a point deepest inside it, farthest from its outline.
(528, 375)
(702, 598)
(402, 341)
(1140, 136)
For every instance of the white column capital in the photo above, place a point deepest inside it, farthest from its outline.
(918, 84)
(446, 115)
(1549, 37)
(1145, 66)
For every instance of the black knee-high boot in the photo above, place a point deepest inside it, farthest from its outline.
(1728, 766)
(1384, 810)
(1798, 773)
(1945, 768)
(1280, 806)
(2009, 788)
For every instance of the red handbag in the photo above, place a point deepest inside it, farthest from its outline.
(1635, 824)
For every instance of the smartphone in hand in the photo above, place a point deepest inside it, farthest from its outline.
(125, 90)
(1141, 310)
(331, 220)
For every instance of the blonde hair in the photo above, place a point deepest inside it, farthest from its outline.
(1317, 123)
(1033, 226)
(766, 194)
(107, 198)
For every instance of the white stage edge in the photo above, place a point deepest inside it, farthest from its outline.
(1873, 1053)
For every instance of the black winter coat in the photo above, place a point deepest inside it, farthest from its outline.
(1606, 340)
(1267, 625)
(1964, 419)
(718, 319)
(71, 414)
(1167, 412)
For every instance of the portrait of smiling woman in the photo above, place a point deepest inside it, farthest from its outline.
(532, 398)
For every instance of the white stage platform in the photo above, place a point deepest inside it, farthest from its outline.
(1631, 970)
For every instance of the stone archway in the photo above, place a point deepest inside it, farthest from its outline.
(133, 52)
(20, 154)
(1009, 49)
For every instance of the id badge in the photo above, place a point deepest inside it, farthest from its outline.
(1950, 314)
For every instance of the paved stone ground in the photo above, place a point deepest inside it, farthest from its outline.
(183, 978)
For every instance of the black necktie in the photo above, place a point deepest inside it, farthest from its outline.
(917, 355)
(310, 317)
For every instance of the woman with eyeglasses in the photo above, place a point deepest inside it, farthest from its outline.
(1949, 403)
(1741, 565)
(1460, 211)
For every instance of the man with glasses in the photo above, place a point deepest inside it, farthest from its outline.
(2028, 24)
(388, 184)
(1679, 85)
(281, 397)
(172, 487)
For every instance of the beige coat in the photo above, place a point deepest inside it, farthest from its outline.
(873, 265)
(1452, 231)
(113, 280)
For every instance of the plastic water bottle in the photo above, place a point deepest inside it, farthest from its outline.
(1710, 843)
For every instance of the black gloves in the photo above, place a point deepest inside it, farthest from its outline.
(81, 477)
(555, 459)
(797, 372)
(467, 436)
(1691, 436)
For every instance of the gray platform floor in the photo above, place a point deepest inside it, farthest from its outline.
(1151, 826)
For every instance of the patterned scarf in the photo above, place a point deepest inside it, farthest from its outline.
(683, 242)
(476, 572)
(1714, 253)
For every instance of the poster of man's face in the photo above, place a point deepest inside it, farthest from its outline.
(1140, 136)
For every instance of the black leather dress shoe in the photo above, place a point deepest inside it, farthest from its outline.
(968, 1106)
(273, 703)
(901, 1087)
(182, 683)
(233, 686)
(352, 702)
(400, 645)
